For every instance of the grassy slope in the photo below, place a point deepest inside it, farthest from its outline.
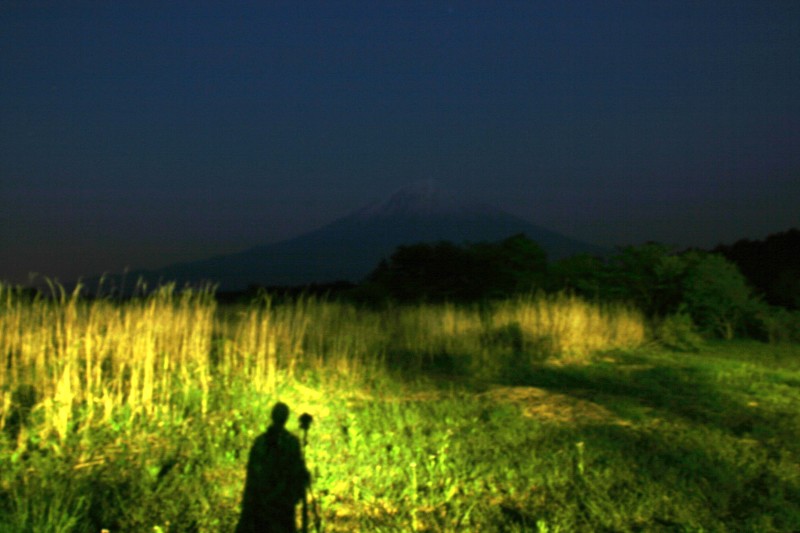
(642, 441)
(646, 441)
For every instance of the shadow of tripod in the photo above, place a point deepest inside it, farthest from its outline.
(305, 424)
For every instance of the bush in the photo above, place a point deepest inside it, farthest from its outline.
(717, 296)
(678, 332)
(773, 324)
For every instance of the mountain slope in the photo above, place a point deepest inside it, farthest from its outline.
(350, 247)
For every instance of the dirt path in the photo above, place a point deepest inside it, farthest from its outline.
(533, 402)
(542, 404)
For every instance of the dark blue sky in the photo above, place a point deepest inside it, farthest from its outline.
(140, 134)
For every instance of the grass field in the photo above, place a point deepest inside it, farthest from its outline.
(540, 414)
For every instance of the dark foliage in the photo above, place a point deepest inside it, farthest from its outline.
(706, 287)
(772, 266)
(448, 272)
(707, 290)
(278, 294)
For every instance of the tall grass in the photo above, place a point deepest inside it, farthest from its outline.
(571, 326)
(137, 416)
(152, 354)
(95, 357)
(96, 382)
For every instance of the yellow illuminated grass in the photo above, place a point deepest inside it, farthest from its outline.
(100, 356)
(101, 376)
(573, 327)
(137, 416)
(150, 354)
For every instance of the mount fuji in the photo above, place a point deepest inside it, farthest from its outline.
(349, 248)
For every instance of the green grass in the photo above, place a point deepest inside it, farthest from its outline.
(708, 441)
(478, 432)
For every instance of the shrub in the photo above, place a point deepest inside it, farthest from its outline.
(717, 296)
(678, 332)
(773, 324)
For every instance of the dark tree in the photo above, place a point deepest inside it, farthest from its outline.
(772, 266)
(444, 271)
(440, 271)
(650, 276)
(585, 275)
(716, 294)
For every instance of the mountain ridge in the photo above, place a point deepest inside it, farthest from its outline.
(423, 198)
(349, 248)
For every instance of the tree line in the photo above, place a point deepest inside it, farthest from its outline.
(690, 289)
(771, 266)
(748, 289)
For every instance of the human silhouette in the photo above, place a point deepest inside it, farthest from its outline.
(276, 479)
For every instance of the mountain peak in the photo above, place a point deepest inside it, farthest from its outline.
(425, 198)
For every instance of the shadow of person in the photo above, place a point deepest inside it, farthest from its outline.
(276, 479)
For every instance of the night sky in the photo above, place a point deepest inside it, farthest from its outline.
(140, 134)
